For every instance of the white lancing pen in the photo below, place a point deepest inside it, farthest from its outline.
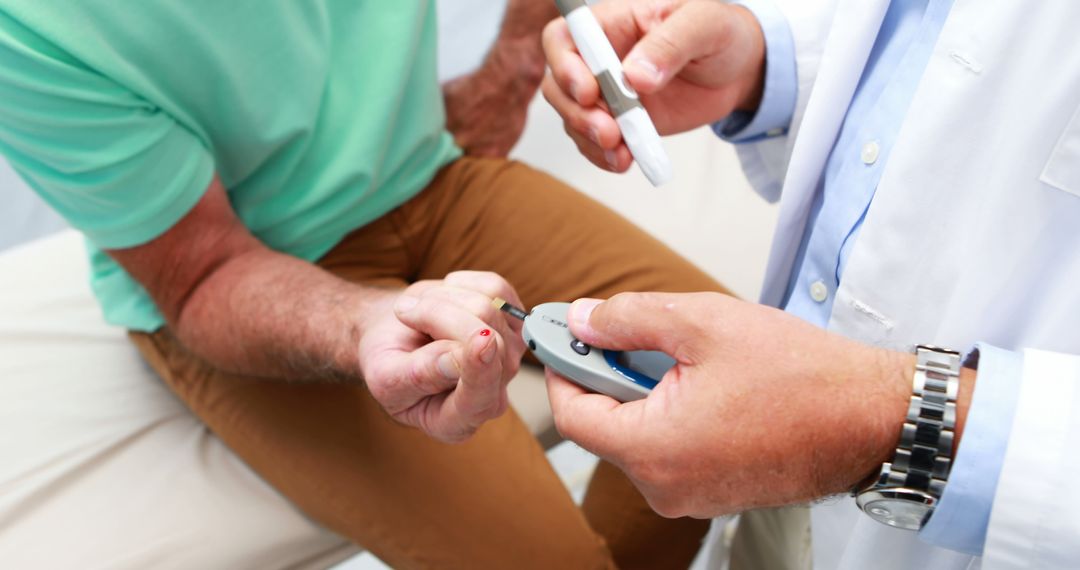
(637, 128)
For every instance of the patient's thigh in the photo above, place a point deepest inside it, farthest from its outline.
(551, 242)
(492, 502)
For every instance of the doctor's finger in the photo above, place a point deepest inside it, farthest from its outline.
(570, 74)
(693, 31)
(669, 322)
(617, 160)
(593, 123)
(593, 421)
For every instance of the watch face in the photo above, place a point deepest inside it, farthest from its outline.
(901, 508)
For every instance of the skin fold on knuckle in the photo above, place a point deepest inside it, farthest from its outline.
(422, 315)
(479, 305)
(425, 419)
(421, 376)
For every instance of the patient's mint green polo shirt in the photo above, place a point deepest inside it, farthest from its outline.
(318, 115)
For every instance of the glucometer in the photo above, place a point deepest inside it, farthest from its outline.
(624, 376)
(637, 128)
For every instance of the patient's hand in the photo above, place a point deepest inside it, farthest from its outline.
(485, 110)
(441, 357)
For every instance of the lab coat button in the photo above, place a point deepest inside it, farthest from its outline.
(870, 152)
(819, 292)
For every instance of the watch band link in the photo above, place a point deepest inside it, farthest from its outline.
(924, 455)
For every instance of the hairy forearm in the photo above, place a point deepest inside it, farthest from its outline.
(527, 18)
(518, 44)
(268, 314)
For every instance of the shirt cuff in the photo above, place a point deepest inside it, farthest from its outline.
(961, 518)
(777, 106)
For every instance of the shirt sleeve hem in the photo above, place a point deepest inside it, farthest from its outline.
(197, 175)
(773, 116)
(962, 517)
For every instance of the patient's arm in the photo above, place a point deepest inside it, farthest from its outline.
(248, 309)
(486, 109)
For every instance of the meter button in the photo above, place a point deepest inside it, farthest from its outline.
(579, 347)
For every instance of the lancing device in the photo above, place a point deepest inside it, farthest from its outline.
(638, 130)
(625, 376)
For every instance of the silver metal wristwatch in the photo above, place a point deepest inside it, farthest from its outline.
(907, 489)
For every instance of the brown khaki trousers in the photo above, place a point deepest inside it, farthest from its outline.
(493, 502)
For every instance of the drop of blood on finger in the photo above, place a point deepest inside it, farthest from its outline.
(485, 332)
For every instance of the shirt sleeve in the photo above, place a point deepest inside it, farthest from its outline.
(779, 97)
(113, 164)
(961, 519)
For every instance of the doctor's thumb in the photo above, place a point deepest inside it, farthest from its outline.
(687, 34)
(627, 321)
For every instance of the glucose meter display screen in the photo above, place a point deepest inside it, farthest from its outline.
(651, 363)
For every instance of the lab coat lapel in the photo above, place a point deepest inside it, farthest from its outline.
(846, 52)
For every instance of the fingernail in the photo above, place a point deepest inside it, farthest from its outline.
(594, 135)
(580, 312)
(448, 366)
(487, 354)
(405, 302)
(648, 69)
(611, 158)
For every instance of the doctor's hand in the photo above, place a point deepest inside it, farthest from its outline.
(692, 62)
(440, 356)
(762, 409)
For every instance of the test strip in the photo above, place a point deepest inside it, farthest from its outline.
(501, 304)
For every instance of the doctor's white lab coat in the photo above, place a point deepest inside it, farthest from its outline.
(973, 235)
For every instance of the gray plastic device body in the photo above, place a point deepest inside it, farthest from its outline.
(625, 376)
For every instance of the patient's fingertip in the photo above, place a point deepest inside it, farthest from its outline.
(485, 346)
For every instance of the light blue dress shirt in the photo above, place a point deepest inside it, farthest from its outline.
(893, 71)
